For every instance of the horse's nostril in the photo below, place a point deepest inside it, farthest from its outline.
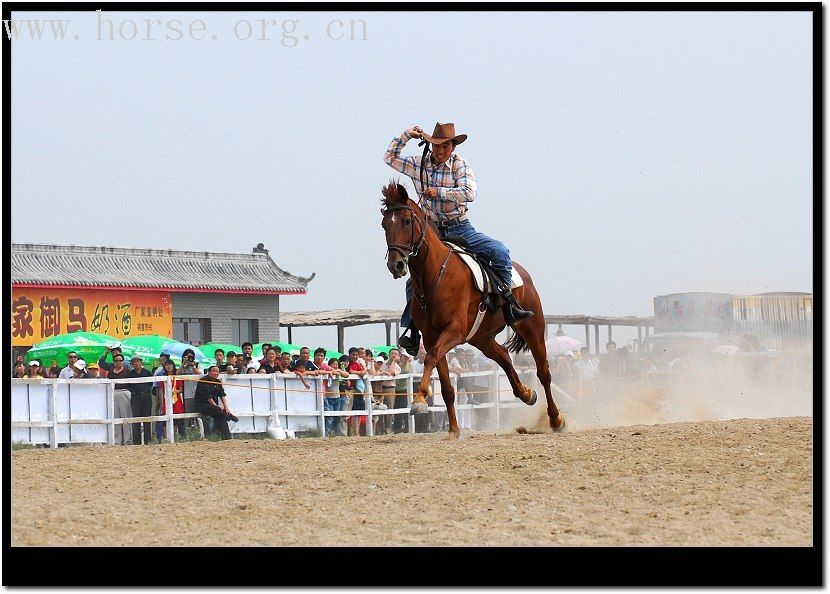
(399, 265)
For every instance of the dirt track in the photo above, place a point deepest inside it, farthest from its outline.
(737, 482)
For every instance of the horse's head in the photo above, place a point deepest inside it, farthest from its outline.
(405, 228)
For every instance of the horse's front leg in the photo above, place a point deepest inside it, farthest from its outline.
(436, 351)
(448, 392)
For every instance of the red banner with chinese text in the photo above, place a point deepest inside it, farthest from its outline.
(39, 313)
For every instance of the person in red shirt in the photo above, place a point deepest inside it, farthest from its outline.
(358, 402)
(178, 402)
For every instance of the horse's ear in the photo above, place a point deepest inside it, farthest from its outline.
(402, 193)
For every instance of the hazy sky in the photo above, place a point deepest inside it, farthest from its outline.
(618, 155)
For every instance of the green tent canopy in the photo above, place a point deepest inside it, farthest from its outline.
(210, 348)
(384, 348)
(151, 346)
(89, 346)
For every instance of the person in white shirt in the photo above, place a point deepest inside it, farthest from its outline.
(66, 372)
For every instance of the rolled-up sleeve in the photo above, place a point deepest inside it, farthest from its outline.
(392, 156)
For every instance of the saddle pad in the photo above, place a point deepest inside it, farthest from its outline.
(478, 273)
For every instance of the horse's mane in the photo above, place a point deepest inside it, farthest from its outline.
(394, 194)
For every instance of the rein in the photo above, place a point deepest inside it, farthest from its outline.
(413, 246)
(413, 249)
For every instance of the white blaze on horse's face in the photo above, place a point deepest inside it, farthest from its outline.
(398, 232)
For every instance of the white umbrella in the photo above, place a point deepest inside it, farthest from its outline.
(562, 343)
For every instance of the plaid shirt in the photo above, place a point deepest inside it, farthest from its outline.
(454, 179)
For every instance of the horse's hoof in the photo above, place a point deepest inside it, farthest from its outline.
(559, 424)
(452, 436)
(532, 400)
(418, 408)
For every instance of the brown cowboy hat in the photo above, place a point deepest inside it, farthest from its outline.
(443, 133)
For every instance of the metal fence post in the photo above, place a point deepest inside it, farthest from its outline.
(370, 408)
(321, 422)
(110, 413)
(168, 407)
(53, 415)
(410, 422)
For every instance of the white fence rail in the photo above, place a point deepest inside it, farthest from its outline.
(60, 411)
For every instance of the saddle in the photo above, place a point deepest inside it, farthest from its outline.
(485, 278)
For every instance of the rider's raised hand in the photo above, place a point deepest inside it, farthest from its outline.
(415, 132)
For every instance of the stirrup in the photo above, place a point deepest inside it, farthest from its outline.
(411, 344)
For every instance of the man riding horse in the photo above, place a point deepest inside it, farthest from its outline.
(446, 184)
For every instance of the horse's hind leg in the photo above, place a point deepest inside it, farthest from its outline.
(533, 332)
(448, 392)
(499, 354)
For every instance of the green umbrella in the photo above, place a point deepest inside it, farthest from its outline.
(382, 349)
(285, 346)
(335, 354)
(151, 346)
(89, 346)
(210, 348)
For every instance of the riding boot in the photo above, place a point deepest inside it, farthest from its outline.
(411, 344)
(513, 312)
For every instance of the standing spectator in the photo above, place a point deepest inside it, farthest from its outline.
(34, 370)
(54, 372)
(159, 369)
(121, 399)
(232, 361)
(208, 394)
(219, 356)
(304, 356)
(79, 370)
(320, 362)
(561, 371)
(585, 370)
(106, 367)
(401, 391)
(92, 370)
(270, 364)
(176, 398)
(332, 374)
(609, 363)
(345, 393)
(141, 401)
(265, 347)
(67, 372)
(389, 369)
(248, 353)
(300, 370)
(285, 360)
(189, 367)
(368, 361)
(358, 402)
(19, 370)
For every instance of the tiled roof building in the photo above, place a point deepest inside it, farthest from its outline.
(196, 297)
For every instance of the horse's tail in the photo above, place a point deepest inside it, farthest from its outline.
(516, 344)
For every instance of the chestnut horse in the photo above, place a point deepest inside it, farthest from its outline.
(445, 303)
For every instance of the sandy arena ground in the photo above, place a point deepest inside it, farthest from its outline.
(735, 482)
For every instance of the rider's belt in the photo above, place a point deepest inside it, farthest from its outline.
(452, 222)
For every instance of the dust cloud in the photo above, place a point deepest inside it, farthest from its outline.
(732, 388)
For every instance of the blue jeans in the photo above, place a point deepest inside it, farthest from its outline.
(491, 250)
(333, 404)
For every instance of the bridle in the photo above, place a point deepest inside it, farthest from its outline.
(411, 250)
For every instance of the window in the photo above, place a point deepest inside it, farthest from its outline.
(195, 331)
(244, 331)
